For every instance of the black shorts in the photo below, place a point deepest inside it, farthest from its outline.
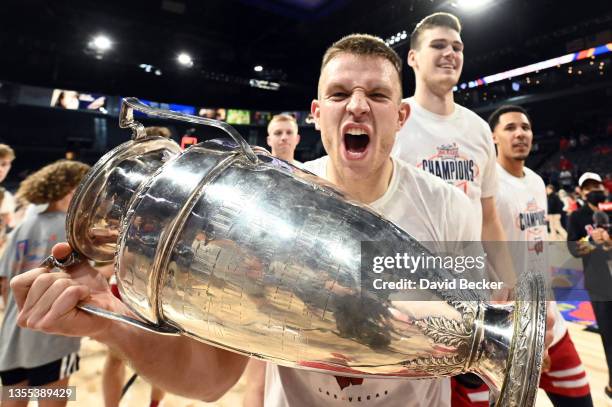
(41, 375)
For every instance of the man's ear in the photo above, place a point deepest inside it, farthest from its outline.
(299, 138)
(316, 112)
(268, 141)
(404, 113)
(411, 58)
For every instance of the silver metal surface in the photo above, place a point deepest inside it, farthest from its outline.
(262, 258)
(157, 329)
(101, 200)
(126, 120)
(51, 262)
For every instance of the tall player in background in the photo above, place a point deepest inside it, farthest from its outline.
(442, 137)
(521, 203)
(448, 140)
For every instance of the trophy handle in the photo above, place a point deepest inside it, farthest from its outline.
(157, 329)
(74, 258)
(126, 120)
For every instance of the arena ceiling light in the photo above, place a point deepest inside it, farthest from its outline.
(397, 38)
(185, 59)
(261, 84)
(258, 68)
(101, 43)
(470, 5)
(150, 69)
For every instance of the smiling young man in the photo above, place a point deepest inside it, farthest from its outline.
(522, 206)
(358, 111)
(448, 140)
(442, 137)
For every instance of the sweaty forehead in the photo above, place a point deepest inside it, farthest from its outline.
(351, 71)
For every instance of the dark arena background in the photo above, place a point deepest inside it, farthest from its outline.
(244, 61)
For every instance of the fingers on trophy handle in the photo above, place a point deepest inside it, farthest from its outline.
(73, 258)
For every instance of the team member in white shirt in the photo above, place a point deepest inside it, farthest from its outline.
(358, 112)
(448, 140)
(522, 206)
(442, 137)
(283, 137)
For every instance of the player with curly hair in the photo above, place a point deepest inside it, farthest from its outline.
(27, 357)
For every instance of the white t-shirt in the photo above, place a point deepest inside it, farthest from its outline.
(298, 164)
(8, 207)
(522, 207)
(8, 203)
(409, 203)
(457, 148)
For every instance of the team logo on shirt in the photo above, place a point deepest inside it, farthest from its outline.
(451, 166)
(531, 220)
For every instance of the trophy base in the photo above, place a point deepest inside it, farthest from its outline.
(520, 385)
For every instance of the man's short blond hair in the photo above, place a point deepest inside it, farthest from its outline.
(283, 117)
(363, 45)
(52, 182)
(6, 152)
(434, 20)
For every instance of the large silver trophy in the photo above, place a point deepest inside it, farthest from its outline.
(235, 248)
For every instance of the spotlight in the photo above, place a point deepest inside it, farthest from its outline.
(185, 59)
(470, 4)
(258, 68)
(101, 43)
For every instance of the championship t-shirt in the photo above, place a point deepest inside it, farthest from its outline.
(409, 202)
(522, 207)
(457, 148)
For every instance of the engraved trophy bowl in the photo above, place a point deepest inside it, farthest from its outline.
(233, 247)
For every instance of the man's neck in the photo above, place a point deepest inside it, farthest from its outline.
(59, 206)
(512, 166)
(287, 157)
(56, 207)
(441, 103)
(363, 189)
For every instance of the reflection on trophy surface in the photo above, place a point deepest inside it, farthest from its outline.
(241, 250)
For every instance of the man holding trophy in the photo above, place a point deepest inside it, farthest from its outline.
(358, 111)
